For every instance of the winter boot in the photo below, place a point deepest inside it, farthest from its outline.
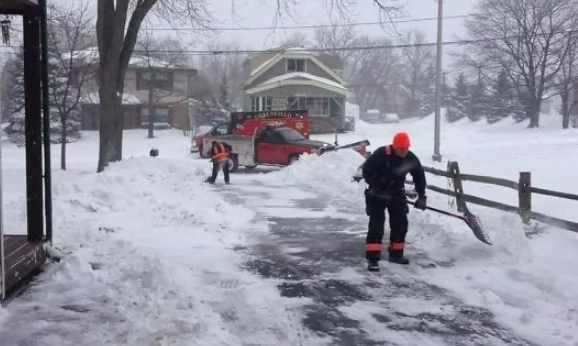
(373, 265)
(398, 260)
(396, 256)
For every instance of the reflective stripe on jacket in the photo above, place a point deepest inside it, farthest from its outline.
(220, 153)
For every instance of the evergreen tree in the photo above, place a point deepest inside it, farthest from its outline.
(427, 101)
(478, 105)
(15, 96)
(502, 99)
(459, 100)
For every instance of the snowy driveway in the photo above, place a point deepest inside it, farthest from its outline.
(314, 251)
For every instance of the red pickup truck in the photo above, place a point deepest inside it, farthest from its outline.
(273, 145)
(247, 123)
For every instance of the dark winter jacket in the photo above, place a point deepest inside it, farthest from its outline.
(386, 173)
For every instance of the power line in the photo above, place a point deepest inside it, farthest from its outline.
(308, 50)
(315, 49)
(316, 26)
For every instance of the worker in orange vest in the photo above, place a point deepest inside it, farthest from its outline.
(384, 171)
(221, 153)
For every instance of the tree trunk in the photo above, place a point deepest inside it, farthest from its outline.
(63, 135)
(535, 116)
(111, 117)
(565, 110)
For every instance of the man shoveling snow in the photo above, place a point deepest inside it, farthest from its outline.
(385, 171)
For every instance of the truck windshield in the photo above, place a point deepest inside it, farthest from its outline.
(291, 135)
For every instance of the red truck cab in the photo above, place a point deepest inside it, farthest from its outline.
(248, 123)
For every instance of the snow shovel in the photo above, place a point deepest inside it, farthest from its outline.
(470, 219)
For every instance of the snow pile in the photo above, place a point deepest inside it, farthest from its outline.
(150, 248)
(329, 174)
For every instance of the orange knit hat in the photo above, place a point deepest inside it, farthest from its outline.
(401, 141)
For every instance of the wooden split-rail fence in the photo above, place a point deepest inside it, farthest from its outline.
(523, 186)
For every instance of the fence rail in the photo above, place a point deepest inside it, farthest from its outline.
(523, 186)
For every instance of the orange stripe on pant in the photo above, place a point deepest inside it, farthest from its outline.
(396, 246)
(373, 247)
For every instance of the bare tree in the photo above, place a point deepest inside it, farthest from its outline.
(332, 38)
(564, 83)
(418, 71)
(373, 73)
(295, 38)
(117, 38)
(157, 55)
(71, 29)
(528, 39)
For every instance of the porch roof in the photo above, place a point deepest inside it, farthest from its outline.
(297, 79)
(11, 6)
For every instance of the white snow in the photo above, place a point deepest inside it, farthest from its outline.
(149, 256)
(151, 253)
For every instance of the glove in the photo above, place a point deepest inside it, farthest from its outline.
(420, 203)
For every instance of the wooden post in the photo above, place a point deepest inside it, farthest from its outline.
(33, 126)
(454, 170)
(525, 196)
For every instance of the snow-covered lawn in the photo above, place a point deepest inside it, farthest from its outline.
(150, 251)
(149, 256)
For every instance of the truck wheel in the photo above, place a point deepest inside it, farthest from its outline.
(233, 163)
(251, 167)
(293, 159)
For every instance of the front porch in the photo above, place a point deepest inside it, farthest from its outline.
(327, 113)
(23, 254)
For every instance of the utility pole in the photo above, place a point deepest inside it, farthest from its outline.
(436, 155)
(152, 82)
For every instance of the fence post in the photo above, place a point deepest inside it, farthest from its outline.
(454, 170)
(525, 196)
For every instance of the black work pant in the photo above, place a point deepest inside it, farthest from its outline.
(216, 167)
(398, 224)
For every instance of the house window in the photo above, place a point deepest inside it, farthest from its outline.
(162, 80)
(160, 115)
(255, 103)
(295, 65)
(315, 106)
(268, 103)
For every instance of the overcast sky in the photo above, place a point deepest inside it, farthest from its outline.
(250, 14)
(260, 13)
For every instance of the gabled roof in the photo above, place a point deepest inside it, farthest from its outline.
(291, 52)
(299, 78)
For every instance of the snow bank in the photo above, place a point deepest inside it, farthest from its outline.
(150, 248)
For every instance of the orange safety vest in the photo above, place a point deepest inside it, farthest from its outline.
(220, 154)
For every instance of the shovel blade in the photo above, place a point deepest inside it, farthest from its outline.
(475, 225)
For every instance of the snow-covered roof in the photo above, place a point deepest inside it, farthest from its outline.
(302, 75)
(91, 55)
(94, 98)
